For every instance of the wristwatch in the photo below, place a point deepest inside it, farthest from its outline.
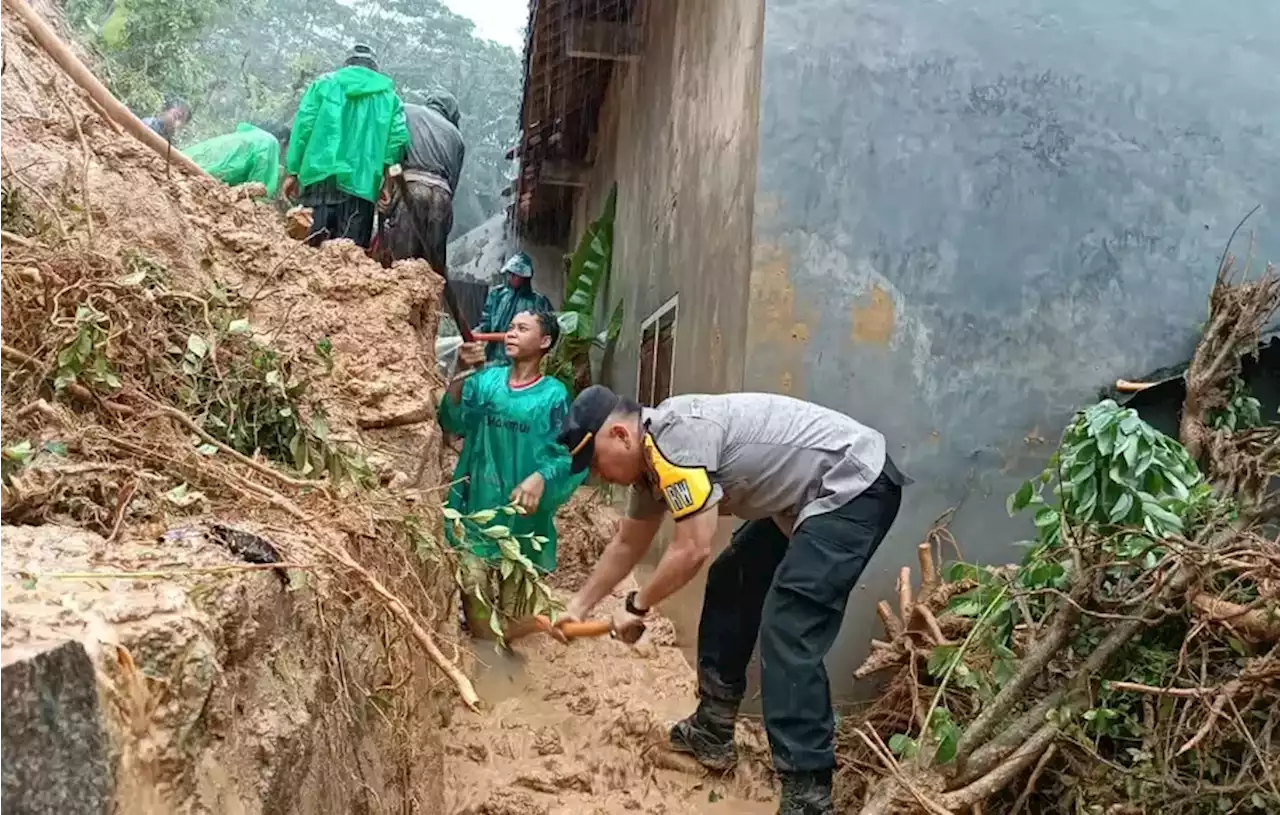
(631, 606)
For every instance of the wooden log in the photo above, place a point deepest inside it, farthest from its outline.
(74, 68)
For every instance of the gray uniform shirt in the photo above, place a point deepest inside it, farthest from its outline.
(754, 455)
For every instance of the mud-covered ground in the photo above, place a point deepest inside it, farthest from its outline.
(579, 729)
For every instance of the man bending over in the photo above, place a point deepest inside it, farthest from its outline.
(818, 493)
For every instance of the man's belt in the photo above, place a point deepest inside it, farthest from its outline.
(430, 179)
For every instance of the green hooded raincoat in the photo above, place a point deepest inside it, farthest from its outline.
(510, 434)
(249, 154)
(349, 127)
(500, 307)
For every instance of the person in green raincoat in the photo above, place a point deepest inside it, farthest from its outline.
(514, 295)
(348, 131)
(249, 154)
(509, 417)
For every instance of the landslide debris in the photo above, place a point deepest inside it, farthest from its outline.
(1130, 663)
(221, 594)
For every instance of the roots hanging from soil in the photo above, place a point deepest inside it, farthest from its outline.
(88, 328)
(1131, 663)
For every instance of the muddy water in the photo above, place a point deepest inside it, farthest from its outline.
(578, 729)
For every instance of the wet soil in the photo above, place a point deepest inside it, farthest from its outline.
(581, 728)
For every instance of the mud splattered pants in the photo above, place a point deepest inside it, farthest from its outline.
(418, 224)
(792, 593)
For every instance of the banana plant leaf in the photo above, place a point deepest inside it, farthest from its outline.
(590, 266)
(589, 269)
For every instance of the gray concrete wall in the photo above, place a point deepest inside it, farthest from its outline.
(971, 217)
(678, 133)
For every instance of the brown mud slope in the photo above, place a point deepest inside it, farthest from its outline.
(147, 667)
(579, 730)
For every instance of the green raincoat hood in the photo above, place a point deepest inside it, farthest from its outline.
(357, 80)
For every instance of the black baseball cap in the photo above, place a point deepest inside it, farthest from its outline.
(587, 415)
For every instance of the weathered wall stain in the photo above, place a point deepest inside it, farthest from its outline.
(872, 318)
(993, 209)
(778, 330)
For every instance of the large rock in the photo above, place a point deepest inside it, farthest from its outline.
(55, 750)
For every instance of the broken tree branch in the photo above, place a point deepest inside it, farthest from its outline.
(1013, 691)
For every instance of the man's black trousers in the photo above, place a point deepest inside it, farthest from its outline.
(337, 214)
(792, 593)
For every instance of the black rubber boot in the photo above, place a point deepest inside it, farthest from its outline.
(707, 735)
(806, 794)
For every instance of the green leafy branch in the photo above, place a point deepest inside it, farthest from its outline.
(255, 400)
(14, 457)
(509, 586)
(83, 359)
(1116, 482)
(1242, 411)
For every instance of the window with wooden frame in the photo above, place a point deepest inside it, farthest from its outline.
(657, 357)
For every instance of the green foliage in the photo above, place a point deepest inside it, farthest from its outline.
(258, 403)
(589, 267)
(1241, 412)
(903, 745)
(946, 733)
(1113, 478)
(510, 586)
(324, 350)
(13, 458)
(83, 359)
(151, 48)
(1115, 471)
(589, 270)
(1115, 485)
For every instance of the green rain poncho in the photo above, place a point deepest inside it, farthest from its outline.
(510, 434)
(504, 303)
(248, 154)
(349, 127)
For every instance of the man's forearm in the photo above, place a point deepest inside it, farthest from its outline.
(681, 562)
(616, 562)
(460, 376)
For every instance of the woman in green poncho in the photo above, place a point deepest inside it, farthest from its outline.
(509, 416)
